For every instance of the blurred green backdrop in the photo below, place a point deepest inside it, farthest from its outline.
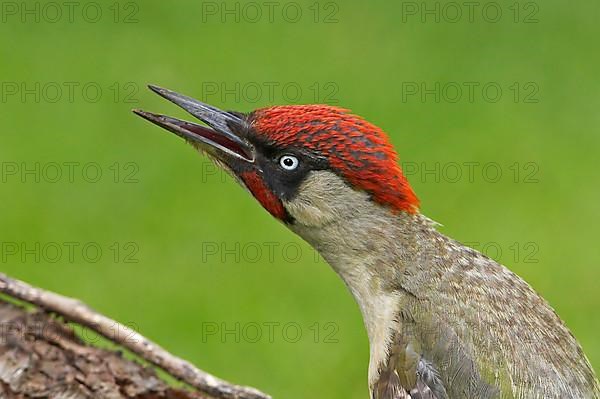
(101, 205)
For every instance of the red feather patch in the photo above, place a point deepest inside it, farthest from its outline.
(261, 192)
(356, 149)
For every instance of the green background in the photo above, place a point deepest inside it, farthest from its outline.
(168, 205)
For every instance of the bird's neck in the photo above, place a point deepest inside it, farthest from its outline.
(376, 253)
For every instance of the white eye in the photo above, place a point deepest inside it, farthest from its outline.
(288, 162)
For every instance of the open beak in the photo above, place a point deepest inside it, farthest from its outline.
(217, 139)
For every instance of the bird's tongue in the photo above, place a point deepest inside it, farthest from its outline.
(216, 138)
(202, 135)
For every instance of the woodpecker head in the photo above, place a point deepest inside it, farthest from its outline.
(299, 161)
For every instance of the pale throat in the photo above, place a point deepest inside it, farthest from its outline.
(364, 243)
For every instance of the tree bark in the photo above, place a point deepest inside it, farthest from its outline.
(41, 356)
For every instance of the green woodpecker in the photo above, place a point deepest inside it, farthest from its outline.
(443, 320)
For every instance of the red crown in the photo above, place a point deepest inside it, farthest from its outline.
(356, 149)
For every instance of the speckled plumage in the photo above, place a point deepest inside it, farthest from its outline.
(461, 325)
